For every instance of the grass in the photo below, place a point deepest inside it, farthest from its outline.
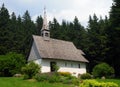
(19, 82)
(110, 80)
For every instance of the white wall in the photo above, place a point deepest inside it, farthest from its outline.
(65, 66)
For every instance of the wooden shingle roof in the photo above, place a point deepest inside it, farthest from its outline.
(58, 49)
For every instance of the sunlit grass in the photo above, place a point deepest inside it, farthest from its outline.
(110, 80)
(19, 82)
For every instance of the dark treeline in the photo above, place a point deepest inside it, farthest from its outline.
(100, 40)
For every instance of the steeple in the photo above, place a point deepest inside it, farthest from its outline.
(45, 33)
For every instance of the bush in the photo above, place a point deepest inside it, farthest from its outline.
(30, 70)
(66, 74)
(11, 64)
(103, 69)
(41, 77)
(85, 76)
(54, 79)
(75, 81)
(94, 83)
(50, 77)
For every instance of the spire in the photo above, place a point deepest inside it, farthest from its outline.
(45, 26)
(45, 30)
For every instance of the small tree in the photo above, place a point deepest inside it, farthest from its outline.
(30, 69)
(11, 63)
(103, 69)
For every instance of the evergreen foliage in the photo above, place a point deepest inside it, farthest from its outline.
(11, 64)
(113, 33)
(97, 39)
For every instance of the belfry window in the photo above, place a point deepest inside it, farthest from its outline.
(46, 34)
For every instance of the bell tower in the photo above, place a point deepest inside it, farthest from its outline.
(45, 32)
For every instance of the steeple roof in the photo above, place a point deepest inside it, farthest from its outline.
(45, 26)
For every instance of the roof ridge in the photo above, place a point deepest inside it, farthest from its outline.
(53, 39)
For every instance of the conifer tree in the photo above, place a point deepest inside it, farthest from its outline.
(39, 23)
(114, 36)
(4, 27)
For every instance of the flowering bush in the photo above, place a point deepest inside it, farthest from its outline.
(66, 74)
(94, 83)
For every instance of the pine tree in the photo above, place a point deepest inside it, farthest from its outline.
(28, 30)
(4, 30)
(78, 33)
(97, 40)
(39, 23)
(54, 28)
(114, 36)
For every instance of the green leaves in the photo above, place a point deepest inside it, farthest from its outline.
(30, 70)
(103, 69)
(11, 63)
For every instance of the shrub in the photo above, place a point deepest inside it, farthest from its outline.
(41, 77)
(30, 70)
(11, 63)
(50, 77)
(54, 79)
(75, 81)
(66, 74)
(94, 83)
(102, 69)
(85, 76)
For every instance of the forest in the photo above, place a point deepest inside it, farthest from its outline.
(100, 40)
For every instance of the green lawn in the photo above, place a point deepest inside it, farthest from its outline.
(110, 80)
(19, 82)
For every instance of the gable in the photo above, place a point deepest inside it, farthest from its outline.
(34, 55)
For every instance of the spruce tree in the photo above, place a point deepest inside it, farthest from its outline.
(39, 23)
(97, 39)
(114, 37)
(4, 30)
(28, 30)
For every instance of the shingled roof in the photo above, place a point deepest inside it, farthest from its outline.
(58, 49)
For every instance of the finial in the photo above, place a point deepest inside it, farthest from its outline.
(44, 9)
